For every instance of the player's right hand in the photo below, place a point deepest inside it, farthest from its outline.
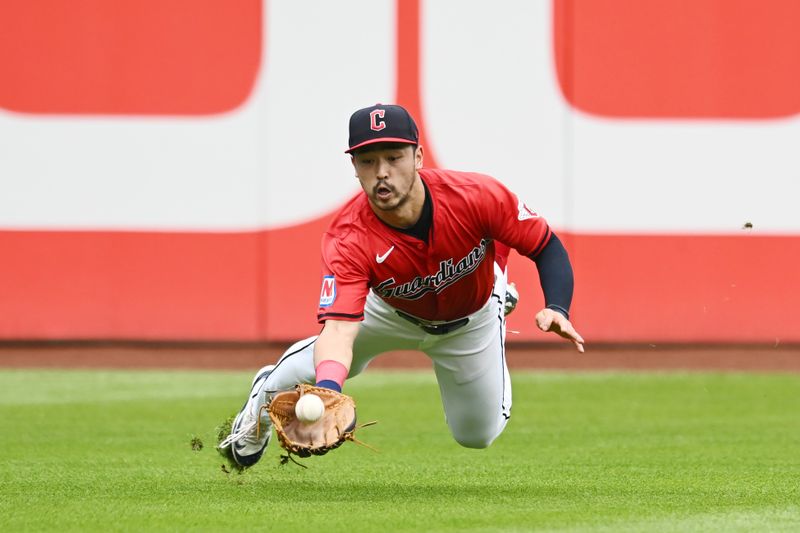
(550, 320)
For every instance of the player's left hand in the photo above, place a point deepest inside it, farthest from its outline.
(550, 320)
(337, 424)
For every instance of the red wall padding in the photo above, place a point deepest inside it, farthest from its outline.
(265, 285)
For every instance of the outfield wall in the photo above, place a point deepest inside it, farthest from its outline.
(167, 167)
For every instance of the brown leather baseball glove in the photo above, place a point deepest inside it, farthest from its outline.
(337, 424)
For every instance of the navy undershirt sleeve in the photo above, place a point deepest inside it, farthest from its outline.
(555, 275)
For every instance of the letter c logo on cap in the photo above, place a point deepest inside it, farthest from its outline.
(374, 124)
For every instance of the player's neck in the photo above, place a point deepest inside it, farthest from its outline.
(406, 214)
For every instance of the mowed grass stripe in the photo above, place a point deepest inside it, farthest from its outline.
(86, 450)
(26, 387)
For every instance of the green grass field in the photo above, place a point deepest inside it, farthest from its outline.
(92, 450)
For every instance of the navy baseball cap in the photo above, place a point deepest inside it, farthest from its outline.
(381, 124)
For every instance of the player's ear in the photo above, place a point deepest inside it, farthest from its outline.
(418, 156)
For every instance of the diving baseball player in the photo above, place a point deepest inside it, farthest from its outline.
(411, 264)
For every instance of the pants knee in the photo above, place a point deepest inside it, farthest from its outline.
(476, 433)
(475, 440)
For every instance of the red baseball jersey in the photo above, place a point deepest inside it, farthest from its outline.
(448, 277)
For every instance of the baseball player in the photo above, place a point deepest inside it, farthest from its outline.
(411, 264)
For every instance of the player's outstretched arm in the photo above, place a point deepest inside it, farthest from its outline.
(335, 343)
(555, 276)
(312, 420)
(550, 320)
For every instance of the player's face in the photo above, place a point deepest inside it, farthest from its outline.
(388, 174)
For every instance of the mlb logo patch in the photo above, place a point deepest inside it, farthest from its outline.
(525, 212)
(328, 293)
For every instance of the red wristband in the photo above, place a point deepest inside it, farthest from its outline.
(332, 370)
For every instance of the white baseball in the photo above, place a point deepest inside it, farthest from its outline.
(309, 408)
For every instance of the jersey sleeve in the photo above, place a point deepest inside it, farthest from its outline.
(510, 221)
(345, 283)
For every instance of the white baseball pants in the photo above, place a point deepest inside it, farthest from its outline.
(469, 363)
